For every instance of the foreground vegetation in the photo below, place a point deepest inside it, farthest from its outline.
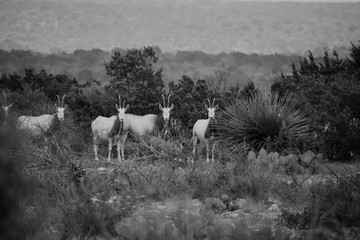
(279, 178)
(57, 193)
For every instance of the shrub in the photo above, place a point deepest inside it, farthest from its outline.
(330, 87)
(333, 209)
(16, 220)
(262, 119)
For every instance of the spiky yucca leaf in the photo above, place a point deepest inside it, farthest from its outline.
(262, 117)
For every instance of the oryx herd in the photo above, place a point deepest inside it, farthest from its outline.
(114, 130)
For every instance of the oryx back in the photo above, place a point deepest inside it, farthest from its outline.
(104, 128)
(36, 125)
(143, 125)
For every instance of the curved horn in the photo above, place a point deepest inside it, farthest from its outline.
(164, 100)
(209, 102)
(58, 98)
(119, 99)
(169, 100)
(63, 98)
(213, 104)
(124, 103)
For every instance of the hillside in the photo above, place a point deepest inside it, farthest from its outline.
(90, 65)
(209, 26)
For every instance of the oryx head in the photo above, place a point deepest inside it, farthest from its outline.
(121, 109)
(166, 109)
(211, 109)
(60, 108)
(5, 107)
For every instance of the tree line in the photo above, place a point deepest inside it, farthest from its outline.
(88, 65)
(329, 88)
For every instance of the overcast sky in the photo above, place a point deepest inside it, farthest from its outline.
(298, 0)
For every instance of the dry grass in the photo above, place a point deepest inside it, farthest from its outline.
(95, 202)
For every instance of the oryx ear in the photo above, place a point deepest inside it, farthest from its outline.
(66, 106)
(10, 105)
(171, 107)
(116, 106)
(56, 105)
(127, 107)
(161, 108)
(217, 106)
(206, 107)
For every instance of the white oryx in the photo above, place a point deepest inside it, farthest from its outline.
(149, 124)
(39, 125)
(110, 130)
(4, 111)
(204, 130)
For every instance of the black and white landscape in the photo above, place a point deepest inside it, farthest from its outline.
(171, 119)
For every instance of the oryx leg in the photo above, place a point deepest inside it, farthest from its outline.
(207, 150)
(96, 152)
(194, 141)
(110, 147)
(214, 145)
(46, 145)
(121, 143)
(118, 150)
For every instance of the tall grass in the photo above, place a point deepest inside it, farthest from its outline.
(332, 210)
(261, 119)
(16, 190)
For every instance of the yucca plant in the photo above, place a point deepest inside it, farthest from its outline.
(261, 119)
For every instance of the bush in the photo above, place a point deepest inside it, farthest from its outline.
(333, 209)
(331, 90)
(262, 119)
(16, 221)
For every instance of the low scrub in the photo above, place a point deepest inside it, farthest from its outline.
(332, 210)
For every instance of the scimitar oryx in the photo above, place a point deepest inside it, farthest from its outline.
(204, 130)
(4, 111)
(149, 124)
(39, 125)
(109, 130)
